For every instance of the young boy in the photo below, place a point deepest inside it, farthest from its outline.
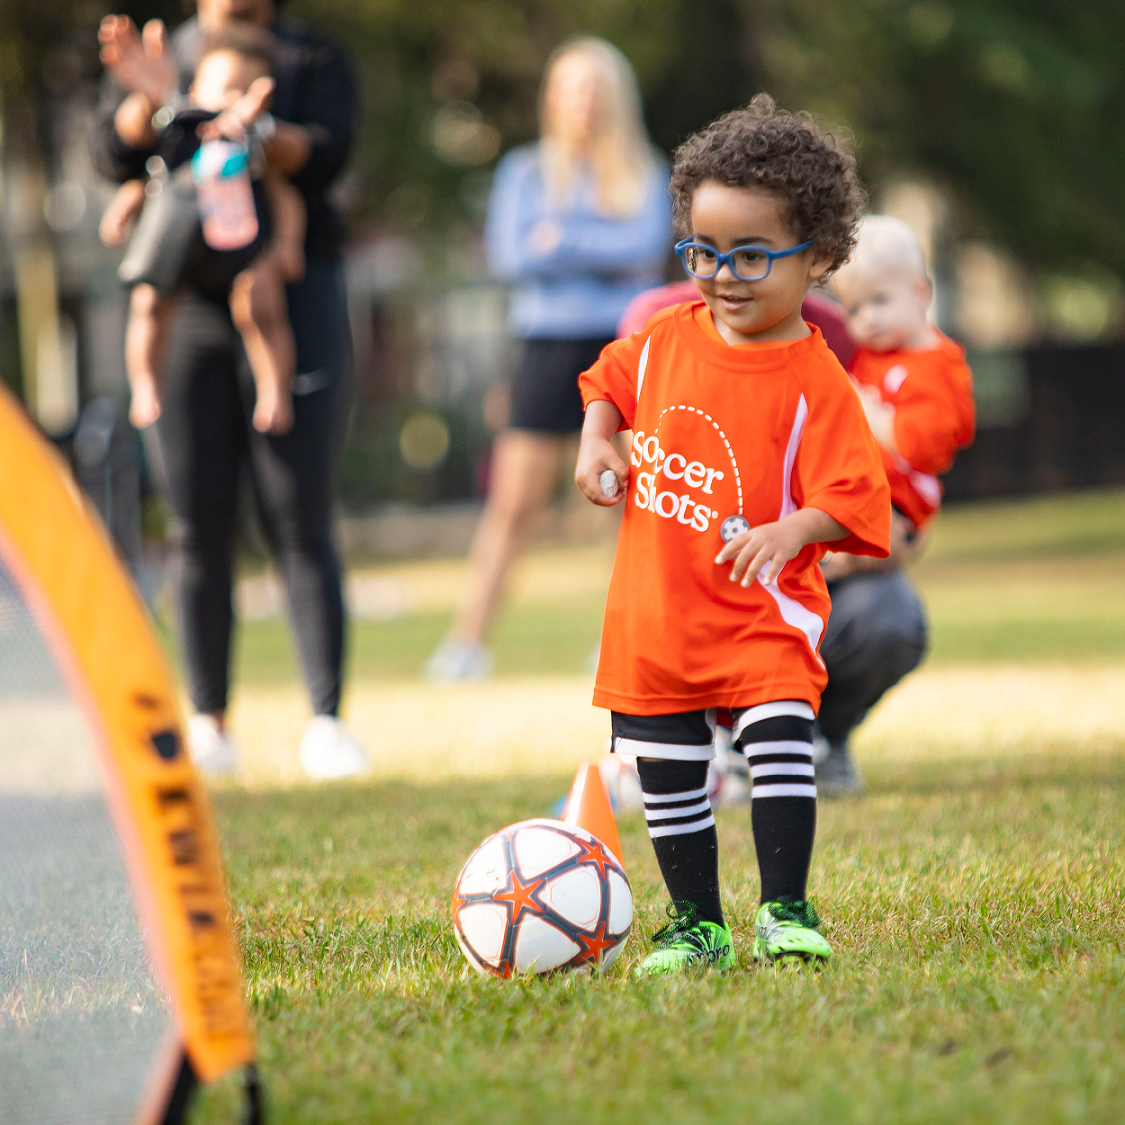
(231, 80)
(750, 452)
(917, 392)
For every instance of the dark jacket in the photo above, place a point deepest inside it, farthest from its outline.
(316, 89)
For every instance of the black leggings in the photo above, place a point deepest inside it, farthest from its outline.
(205, 436)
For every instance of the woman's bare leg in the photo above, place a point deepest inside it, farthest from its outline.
(525, 473)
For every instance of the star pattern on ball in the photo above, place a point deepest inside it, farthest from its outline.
(519, 896)
(596, 853)
(594, 945)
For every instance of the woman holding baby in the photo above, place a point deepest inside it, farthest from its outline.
(206, 393)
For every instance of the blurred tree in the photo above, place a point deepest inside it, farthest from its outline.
(48, 54)
(1016, 106)
(448, 85)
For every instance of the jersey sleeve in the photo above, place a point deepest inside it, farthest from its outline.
(613, 378)
(935, 416)
(839, 469)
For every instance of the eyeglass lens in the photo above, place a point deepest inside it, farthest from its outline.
(750, 264)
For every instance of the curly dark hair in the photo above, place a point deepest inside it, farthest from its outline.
(762, 146)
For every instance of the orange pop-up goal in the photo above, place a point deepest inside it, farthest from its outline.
(587, 806)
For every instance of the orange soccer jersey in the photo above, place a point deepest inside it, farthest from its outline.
(758, 431)
(932, 393)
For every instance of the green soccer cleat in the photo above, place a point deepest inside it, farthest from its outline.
(685, 943)
(785, 930)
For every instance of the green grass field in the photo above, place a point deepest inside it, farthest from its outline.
(975, 896)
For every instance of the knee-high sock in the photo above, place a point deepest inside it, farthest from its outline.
(682, 828)
(777, 741)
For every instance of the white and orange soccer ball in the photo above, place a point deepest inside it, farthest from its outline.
(540, 896)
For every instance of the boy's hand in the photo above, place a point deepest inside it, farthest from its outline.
(595, 456)
(767, 548)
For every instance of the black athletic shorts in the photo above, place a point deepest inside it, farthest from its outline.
(689, 735)
(545, 393)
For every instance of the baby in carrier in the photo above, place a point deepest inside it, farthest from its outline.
(245, 254)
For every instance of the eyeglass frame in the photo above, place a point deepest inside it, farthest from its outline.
(727, 259)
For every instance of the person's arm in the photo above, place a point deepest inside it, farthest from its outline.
(313, 150)
(765, 549)
(609, 394)
(141, 64)
(602, 245)
(515, 205)
(525, 244)
(934, 417)
(907, 545)
(289, 216)
(838, 468)
(141, 76)
(880, 417)
(596, 454)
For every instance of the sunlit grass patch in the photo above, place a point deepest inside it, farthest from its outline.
(976, 908)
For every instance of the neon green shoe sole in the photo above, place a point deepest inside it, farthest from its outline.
(789, 930)
(685, 944)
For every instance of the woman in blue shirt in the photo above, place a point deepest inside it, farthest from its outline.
(578, 224)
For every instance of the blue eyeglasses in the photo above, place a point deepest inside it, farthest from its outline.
(747, 263)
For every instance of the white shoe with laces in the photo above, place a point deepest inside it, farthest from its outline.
(212, 750)
(458, 661)
(328, 752)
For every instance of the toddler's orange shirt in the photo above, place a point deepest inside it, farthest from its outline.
(718, 431)
(932, 393)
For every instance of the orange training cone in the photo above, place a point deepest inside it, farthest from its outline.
(588, 807)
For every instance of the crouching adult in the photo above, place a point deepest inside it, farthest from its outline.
(917, 392)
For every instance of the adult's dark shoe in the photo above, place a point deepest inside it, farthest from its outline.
(837, 774)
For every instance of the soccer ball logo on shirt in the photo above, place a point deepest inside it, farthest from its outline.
(678, 485)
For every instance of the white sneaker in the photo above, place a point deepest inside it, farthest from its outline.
(456, 660)
(328, 752)
(212, 750)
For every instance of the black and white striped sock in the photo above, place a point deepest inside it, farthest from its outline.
(682, 828)
(777, 741)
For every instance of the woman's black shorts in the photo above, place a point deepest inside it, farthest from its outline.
(545, 386)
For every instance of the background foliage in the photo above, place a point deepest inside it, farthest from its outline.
(1016, 106)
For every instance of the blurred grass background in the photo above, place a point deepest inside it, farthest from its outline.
(1005, 581)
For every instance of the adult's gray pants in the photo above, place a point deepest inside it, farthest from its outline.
(877, 633)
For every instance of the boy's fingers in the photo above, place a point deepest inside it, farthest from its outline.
(771, 572)
(731, 549)
(745, 558)
(759, 560)
(595, 495)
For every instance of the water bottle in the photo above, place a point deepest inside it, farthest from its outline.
(226, 200)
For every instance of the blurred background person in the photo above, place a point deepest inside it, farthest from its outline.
(205, 432)
(917, 392)
(578, 224)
